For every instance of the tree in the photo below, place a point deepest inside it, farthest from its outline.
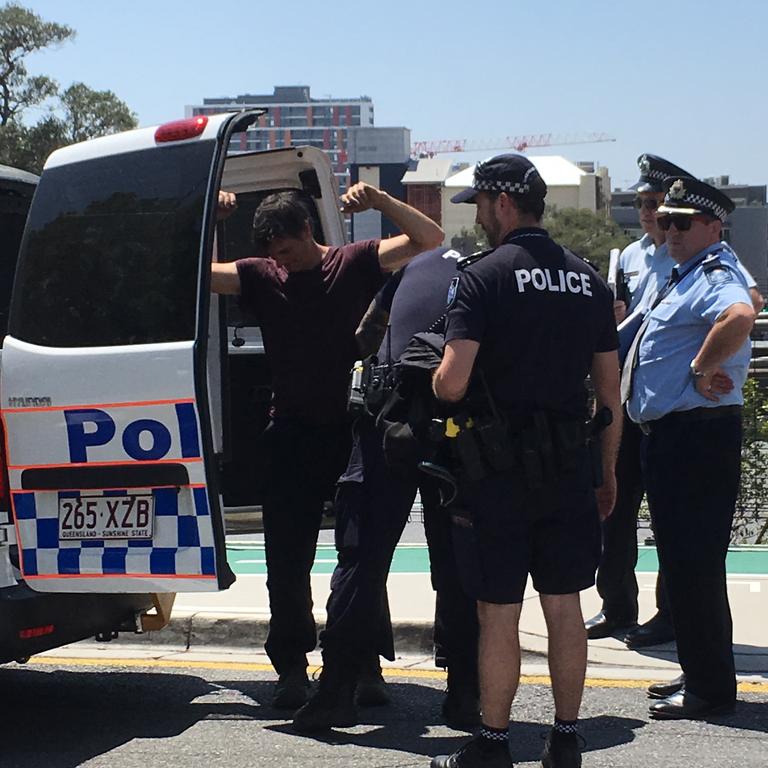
(469, 240)
(590, 235)
(23, 32)
(80, 113)
(90, 113)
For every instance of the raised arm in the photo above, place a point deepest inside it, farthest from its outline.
(420, 233)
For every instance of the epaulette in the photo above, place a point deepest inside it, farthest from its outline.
(716, 270)
(465, 261)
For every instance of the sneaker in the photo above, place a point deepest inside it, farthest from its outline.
(333, 706)
(475, 755)
(562, 750)
(371, 690)
(292, 689)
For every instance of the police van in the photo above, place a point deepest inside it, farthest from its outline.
(132, 397)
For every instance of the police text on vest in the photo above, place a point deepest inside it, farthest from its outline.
(553, 281)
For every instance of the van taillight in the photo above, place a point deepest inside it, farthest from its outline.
(178, 130)
(32, 632)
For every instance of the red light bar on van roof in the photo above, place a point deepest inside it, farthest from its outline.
(178, 130)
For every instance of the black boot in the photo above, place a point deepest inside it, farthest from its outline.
(292, 689)
(371, 690)
(333, 706)
(476, 754)
(461, 705)
(562, 750)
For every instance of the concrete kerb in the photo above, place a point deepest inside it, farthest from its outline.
(203, 631)
(194, 631)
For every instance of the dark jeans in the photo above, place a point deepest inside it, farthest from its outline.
(616, 580)
(301, 464)
(371, 515)
(692, 471)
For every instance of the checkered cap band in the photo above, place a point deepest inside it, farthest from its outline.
(502, 186)
(699, 201)
(655, 174)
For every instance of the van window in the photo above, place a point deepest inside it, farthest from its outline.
(13, 213)
(111, 255)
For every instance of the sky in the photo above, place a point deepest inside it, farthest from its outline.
(677, 78)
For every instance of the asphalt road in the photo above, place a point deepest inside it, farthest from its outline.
(139, 715)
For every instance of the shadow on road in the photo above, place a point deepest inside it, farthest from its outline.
(63, 718)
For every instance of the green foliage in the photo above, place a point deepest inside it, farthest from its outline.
(89, 113)
(750, 523)
(23, 32)
(79, 113)
(590, 235)
(469, 240)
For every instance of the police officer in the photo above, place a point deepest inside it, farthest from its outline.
(532, 320)
(682, 382)
(642, 264)
(645, 266)
(373, 503)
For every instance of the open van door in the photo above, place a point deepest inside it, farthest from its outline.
(106, 395)
(252, 176)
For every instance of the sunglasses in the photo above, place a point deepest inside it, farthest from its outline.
(681, 221)
(649, 203)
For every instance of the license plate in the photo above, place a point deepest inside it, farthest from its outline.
(107, 517)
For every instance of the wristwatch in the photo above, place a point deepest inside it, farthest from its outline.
(695, 373)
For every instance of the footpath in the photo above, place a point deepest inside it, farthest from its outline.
(237, 619)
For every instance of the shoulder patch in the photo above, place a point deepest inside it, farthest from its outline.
(719, 275)
(453, 290)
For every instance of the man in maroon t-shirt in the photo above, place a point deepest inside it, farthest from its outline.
(308, 299)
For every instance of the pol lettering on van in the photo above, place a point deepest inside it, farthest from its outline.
(142, 439)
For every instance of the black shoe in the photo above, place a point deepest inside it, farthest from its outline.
(686, 706)
(663, 690)
(461, 705)
(475, 755)
(562, 750)
(655, 631)
(371, 690)
(292, 689)
(601, 626)
(333, 706)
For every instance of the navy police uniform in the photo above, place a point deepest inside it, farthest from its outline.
(540, 313)
(373, 503)
(691, 451)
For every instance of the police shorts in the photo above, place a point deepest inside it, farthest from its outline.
(506, 532)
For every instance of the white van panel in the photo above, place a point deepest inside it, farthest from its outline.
(59, 426)
(128, 141)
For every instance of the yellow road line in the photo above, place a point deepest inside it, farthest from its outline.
(390, 672)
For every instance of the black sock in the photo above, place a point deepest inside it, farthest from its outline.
(564, 726)
(493, 738)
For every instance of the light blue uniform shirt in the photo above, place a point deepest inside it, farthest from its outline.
(710, 282)
(661, 266)
(639, 263)
(647, 270)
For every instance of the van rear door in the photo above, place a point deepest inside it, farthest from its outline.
(105, 391)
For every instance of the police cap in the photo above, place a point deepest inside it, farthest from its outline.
(688, 196)
(513, 174)
(653, 171)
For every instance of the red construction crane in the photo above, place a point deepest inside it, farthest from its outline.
(518, 143)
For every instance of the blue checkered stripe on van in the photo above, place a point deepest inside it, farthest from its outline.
(182, 541)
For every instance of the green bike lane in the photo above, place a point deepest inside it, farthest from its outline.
(414, 558)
